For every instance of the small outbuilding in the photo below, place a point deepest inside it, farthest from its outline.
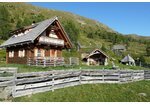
(118, 49)
(96, 57)
(128, 60)
(121, 48)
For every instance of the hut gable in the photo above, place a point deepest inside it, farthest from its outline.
(29, 34)
(97, 51)
(96, 57)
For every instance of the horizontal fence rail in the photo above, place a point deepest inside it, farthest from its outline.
(147, 74)
(46, 61)
(52, 61)
(35, 82)
(7, 75)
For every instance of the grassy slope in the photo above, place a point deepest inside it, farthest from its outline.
(94, 93)
(2, 51)
(31, 12)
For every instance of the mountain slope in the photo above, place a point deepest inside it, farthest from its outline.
(89, 33)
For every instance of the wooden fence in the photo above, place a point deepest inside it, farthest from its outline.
(35, 82)
(53, 61)
(147, 74)
(7, 81)
(72, 61)
(7, 75)
(46, 61)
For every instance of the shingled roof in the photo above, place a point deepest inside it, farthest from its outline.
(119, 47)
(96, 51)
(127, 58)
(32, 35)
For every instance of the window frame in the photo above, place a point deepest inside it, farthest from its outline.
(39, 54)
(11, 54)
(21, 53)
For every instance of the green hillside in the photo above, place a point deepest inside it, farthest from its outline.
(89, 33)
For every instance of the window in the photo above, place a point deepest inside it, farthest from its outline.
(53, 34)
(39, 52)
(21, 53)
(11, 54)
(53, 53)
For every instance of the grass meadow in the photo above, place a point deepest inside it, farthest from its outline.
(131, 92)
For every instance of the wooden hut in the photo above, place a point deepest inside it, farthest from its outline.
(43, 40)
(96, 57)
(128, 60)
(120, 48)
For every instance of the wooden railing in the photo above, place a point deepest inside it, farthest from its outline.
(34, 82)
(53, 61)
(46, 61)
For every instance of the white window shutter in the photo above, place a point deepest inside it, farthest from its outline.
(43, 53)
(12, 53)
(23, 53)
(35, 52)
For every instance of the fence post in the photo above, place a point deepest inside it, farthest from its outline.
(143, 78)
(126, 77)
(14, 82)
(36, 61)
(63, 61)
(132, 76)
(44, 61)
(70, 61)
(103, 75)
(80, 76)
(77, 61)
(54, 61)
(53, 82)
(28, 61)
(119, 76)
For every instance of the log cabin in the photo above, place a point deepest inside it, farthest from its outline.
(45, 39)
(119, 49)
(96, 57)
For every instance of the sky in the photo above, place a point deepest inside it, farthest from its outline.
(126, 18)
